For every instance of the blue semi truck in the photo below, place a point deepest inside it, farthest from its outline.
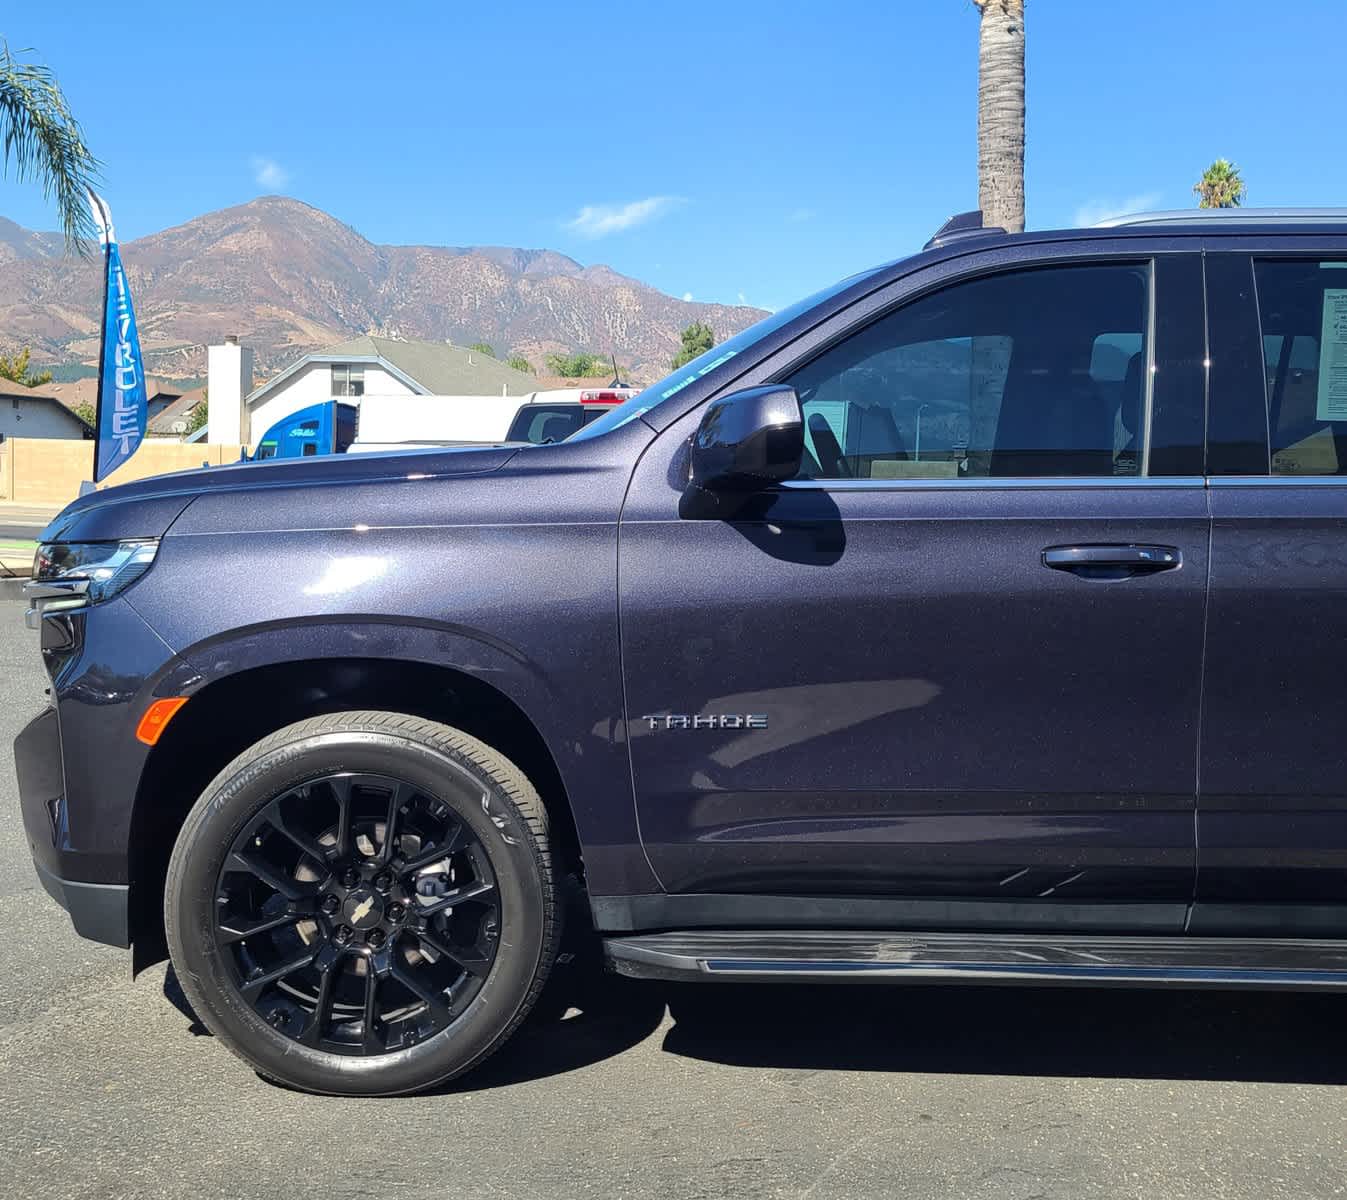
(327, 428)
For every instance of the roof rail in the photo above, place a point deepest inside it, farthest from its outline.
(961, 225)
(1240, 216)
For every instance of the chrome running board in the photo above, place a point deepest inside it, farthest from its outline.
(982, 958)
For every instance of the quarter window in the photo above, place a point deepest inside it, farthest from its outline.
(348, 379)
(1033, 373)
(1302, 307)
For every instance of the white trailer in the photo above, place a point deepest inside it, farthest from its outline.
(404, 422)
(424, 422)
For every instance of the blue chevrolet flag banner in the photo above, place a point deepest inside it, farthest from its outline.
(122, 403)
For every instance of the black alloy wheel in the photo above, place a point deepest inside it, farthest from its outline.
(358, 914)
(363, 903)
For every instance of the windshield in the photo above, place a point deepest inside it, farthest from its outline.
(704, 364)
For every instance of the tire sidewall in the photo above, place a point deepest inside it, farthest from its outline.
(482, 804)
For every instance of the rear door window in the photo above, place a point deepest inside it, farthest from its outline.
(1040, 372)
(1302, 310)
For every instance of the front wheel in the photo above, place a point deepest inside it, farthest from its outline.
(363, 903)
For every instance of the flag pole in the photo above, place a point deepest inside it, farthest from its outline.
(105, 240)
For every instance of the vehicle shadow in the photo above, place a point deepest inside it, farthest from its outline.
(582, 1017)
(1129, 1033)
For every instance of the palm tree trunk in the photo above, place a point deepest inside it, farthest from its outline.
(1001, 113)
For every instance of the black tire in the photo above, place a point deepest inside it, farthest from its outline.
(489, 804)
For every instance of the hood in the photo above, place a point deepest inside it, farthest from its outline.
(147, 507)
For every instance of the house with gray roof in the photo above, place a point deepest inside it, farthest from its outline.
(36, 413)
(370, 366)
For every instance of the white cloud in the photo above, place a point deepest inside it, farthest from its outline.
(1095, 211)
(687, 295)
(796, 215)
(599, 220)
(742, 298)
(269, 173)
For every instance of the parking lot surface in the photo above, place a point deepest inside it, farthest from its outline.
(111, 1089)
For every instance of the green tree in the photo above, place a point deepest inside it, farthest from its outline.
(42, 140)
(520, 363)
(483, 348)
(1001, 113)
(198, 416)
(575, 366)
(697, 339)
(1220, 186)
(15, 369)
(87, 413)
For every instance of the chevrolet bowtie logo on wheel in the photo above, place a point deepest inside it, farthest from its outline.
(362, 910)
(707, 721)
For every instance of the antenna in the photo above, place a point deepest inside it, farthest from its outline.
(961, 225)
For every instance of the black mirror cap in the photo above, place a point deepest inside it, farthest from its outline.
(748, 440)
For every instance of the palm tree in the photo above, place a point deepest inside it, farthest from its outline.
(1001, 113)
(43, 141)
(1220, 186)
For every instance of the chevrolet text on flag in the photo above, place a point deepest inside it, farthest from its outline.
(121, 379)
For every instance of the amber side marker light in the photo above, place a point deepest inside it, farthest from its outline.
(157, 717)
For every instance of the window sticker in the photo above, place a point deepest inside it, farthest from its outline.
(1332, 404)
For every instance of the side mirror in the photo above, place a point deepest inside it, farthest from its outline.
(746, 441)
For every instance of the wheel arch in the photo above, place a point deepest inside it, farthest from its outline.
(234, 710)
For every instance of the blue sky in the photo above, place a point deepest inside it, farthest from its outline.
(742, 150)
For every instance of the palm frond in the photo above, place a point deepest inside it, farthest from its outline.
(40, 139)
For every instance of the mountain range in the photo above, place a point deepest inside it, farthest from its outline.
(289, 278)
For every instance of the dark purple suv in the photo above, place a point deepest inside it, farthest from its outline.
(977, 619)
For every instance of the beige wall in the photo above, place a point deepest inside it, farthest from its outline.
(50, 470)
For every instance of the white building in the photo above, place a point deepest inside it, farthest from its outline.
(364, 366)
(33, 413)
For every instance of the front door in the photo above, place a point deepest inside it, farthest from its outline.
(955, 665)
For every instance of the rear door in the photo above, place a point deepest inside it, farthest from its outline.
(960, 654)
(1272, 825)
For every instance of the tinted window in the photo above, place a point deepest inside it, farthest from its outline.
(1302, 307)
(1031, 373)
(538, 423)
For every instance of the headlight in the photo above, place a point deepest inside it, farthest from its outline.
(94, 570)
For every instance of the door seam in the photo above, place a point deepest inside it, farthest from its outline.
(1201, 713)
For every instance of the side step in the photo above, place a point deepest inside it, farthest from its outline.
(982, 958)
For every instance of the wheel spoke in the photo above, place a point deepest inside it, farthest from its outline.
(437, 1002)
(252, 986)
(321, 1016)
(472, 960)
(367, 1036)
(237, 931)
(398, 797)
(451, 845)
(277, 820)
(475, 890)
(289, 888)
(341, 789)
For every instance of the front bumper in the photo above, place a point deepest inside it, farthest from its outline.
(99, 911)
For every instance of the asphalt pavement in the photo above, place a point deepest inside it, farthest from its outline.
(111, 1089)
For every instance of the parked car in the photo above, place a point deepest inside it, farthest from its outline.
(554, 416)
(974, 620)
